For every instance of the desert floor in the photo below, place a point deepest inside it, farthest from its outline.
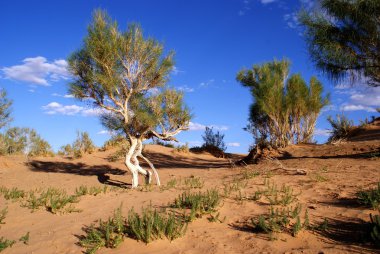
(334, 174)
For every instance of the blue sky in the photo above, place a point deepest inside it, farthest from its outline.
(213, 40)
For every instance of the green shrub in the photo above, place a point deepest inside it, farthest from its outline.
(82, 145)
(5, 243)
(341, 128)
(198, 203)
(12, 194)
(370, 197)
(193, 182)
(153, 225)
(25, 238)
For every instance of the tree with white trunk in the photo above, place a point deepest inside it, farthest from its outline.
(126, 75)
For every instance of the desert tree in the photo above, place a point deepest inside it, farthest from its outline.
(343, 38)
(213, 139)
(126, 76)
(5, 110)
(285, 108)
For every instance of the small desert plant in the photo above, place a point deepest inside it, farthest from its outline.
(12, 194)
(182, 148)
(25, 238)
(3, 213)
(198, 203)
(275, 196)
(193, 182)
(151, 225)
(5, 243)
(172, 183)
(370, 197)
(234, 186)
(341, 128)
(108, 234)
(249, 174)
(82, 145)
(115, 141)
(280, 220)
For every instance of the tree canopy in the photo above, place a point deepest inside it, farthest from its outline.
(126, 76)
(285, 108)
(5, 109)
(343, 38)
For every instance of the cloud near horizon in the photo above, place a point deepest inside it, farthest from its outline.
(201, 127)
(37, 71)
(55, 108)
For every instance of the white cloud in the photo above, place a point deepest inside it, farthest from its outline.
(64, 96)
(105, 132)
(267, 1)
(185, 89)
(37, 70)
(233, 144)
(207, 83)
(322, 132)
(201, 127)
(55, 108)
(368, 96)
(353, 107)
(177, 71)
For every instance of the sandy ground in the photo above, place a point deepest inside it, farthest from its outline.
(335, 174)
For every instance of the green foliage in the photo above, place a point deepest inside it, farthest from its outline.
(93, 190)
(11, 194)
(281, 220)
(341, 128)
(81, 145)
(5, 109)
(3, 213)
(182, 148)
(25, 238)
(285, 108)
(118, 70)
(193, 182)
(212, 139)
(370, 197)
(198, 203)
(24, 140)
(343, 39)
(153, 225)
(108, 234)
(148, 226)
(5, 243)
(275, 196)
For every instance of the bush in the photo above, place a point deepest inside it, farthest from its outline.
(115, 141)
(341, 128)
(370, 197)
(214, 140)
(24, 141)
(82, 145)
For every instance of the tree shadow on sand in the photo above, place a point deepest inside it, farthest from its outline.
(348, 231)
(80, 169)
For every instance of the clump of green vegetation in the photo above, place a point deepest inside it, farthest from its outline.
(193, 182)
(153, 225)
(93, 190)
(342, 128)
(249, 174)
(281, 220)
(3, 214)
(234, 186)
(198, 203)
(370, 197)
(12, 194)
(82, 145)
(148, 226)
(182, 148)
(25, 238)
(275, 196)
(108, 234)
(5, 243)
(24, 141)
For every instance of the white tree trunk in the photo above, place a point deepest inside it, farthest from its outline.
(129, 164)
(132, 163)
